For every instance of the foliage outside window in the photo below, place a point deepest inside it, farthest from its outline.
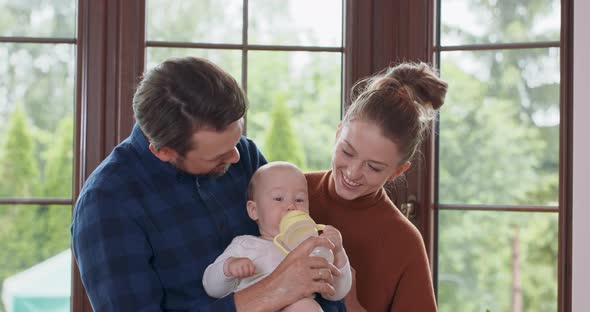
(498, 156)
(36, 154)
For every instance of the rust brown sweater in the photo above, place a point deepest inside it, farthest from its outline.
(384, 248)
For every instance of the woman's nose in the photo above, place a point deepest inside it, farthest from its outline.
(353, 170)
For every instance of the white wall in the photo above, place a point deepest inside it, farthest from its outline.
(581, 161)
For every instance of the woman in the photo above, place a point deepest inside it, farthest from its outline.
(380, 132)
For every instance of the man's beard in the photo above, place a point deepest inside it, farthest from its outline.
(218, 171)
(215, 172)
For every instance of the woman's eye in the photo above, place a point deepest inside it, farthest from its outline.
(277, 199)
(346, 153)
(375, 169)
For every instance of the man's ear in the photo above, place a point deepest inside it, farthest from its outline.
(164, 154)
(252, 212)
(400, 170)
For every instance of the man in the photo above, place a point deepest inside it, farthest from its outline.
(168, 200)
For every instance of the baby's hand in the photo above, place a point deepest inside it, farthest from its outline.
(238, 267)
(334, 236)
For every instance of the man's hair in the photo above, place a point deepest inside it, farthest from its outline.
(183, 95)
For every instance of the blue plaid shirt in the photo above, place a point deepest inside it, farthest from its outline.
(143, 232)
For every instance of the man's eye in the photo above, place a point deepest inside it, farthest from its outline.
(277, 199)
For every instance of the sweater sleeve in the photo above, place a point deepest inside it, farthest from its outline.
(414, 290)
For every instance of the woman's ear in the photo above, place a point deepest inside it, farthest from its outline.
(400, 170)
(252, 212)
(164, 154)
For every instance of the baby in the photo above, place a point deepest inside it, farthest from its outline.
(275, 189)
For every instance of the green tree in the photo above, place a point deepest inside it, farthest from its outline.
(311, 85)
(497, 147)
(37, 91)
(31, 234)
(60, 160)
(281, 142)
(18, 166)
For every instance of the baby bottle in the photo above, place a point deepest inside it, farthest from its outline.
(295, 227)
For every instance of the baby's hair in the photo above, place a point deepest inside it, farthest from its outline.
(256, 176)
(402, 101)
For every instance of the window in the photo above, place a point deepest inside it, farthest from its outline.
(512, 100)
(287, 57)
(499, 155)
(38, 46)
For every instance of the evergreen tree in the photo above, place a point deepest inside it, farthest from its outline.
(59, 161)
(18, 166)
(281, 142)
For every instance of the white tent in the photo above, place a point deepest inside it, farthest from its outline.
(42, 287)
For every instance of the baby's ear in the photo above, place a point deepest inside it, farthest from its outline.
(252, 212)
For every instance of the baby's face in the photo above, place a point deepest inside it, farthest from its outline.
(279, 190)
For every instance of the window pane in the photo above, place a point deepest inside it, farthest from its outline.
(477, 21)
(38, 18)
(295, 22)
(228, 60)
(36, 120)
(35, 263)
(499, 132)
(494, 260)
(210, 21)
(294, 105)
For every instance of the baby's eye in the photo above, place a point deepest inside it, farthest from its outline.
(278, 198)
(299, 200)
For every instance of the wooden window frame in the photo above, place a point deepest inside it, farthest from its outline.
(110, 62)
(244, 47)
(111, 46)
(564, 208)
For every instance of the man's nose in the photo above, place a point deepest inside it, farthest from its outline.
(234, 157)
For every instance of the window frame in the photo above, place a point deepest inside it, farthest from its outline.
(245, 47)
(37, 200)
(564, 208)
(64, 203)
(111, 46)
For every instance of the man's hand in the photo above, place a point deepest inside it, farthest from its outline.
(238, 267)
(297, 276)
